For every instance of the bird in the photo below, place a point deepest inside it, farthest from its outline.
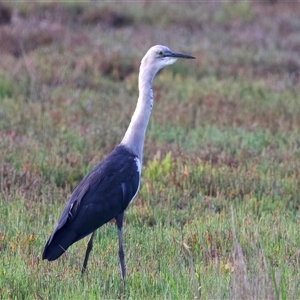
(106, 191)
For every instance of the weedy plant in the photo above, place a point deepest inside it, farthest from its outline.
(217, 216)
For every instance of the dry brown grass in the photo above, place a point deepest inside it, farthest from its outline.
(243, 285)
(68, 87)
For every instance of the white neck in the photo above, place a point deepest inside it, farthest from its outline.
(135, 134)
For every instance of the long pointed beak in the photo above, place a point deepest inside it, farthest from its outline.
(179, 55)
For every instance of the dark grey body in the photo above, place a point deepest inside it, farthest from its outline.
(103, 194)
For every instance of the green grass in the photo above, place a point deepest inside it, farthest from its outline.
(217, 215)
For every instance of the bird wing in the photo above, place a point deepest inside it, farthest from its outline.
(102, 194)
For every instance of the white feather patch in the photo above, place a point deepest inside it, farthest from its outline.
(139, 166)
(138, 163)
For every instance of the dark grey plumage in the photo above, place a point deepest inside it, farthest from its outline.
(102, 195)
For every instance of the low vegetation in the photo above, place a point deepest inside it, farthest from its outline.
(217, 216)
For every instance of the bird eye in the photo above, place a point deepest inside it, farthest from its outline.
(160, 53)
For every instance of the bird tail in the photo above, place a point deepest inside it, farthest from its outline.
(57, 244)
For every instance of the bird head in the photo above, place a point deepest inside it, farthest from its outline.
(160, 56)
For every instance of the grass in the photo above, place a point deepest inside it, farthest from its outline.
(217, 215)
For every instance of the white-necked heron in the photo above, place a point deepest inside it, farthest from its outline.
(105, 192)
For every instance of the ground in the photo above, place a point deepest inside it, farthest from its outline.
(217, 216)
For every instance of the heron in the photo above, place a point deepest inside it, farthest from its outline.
(106, 191)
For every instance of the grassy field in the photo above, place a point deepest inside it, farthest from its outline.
(218, 212)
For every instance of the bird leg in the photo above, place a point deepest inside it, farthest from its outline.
(119, 220)
(87, 253)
